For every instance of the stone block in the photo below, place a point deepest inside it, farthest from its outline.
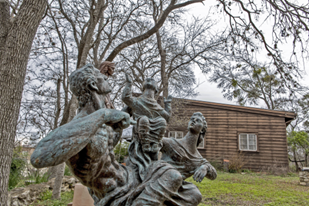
(81, 196)
(303, 183)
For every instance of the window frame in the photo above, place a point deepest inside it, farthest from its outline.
(247, 133)
(203, 144)
(169, 134)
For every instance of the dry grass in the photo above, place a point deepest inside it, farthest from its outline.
(253, 189)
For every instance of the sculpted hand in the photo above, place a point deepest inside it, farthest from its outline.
(200, 173)
(118, 120)
(168, 99)
(128, 79)
(212, 173)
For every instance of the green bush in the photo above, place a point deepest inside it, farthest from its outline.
(67, 171)
(18, 164)
(121, 151)
(217, 164)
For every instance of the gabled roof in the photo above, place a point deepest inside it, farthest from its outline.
(289, 116)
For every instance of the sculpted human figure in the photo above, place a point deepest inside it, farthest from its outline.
(146, 104)
(107, 68)
(86, 145)
(183, 154)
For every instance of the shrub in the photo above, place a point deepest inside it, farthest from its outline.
(217, 164)
(236, 162)
(121, 151)
(67, 171)
(17, 166)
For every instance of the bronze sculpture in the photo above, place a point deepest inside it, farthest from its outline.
(86, 145)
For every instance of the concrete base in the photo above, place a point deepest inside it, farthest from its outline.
(81, 196)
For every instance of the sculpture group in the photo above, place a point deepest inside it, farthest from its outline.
(86, 145)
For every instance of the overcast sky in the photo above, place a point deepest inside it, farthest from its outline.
(209, 91)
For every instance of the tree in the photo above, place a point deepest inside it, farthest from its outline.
(16, 36)
(93, 29)
(249, 82)
(299, 144)
(170, 56)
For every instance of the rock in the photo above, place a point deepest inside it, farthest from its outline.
(27, 195)
(304, 178)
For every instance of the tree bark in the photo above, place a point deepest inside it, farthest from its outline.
(162, 52)
(58, 171)
(52, 171)
(58, 181)
(296, 164)
(15, 43)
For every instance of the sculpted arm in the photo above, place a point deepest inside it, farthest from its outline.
(205, 170)
(66, 141)
(127, 97)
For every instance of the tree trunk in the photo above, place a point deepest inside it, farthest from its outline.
(15, 43)
(58, 181)
(58, 171)
(163, 64)
(52, 171)
(296, 164)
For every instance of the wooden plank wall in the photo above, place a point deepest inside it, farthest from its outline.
(221, 141)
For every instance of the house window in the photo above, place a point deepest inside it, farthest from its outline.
(201, 145)
(175, 134)
(247, 142)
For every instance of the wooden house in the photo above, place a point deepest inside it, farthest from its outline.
(259, 134)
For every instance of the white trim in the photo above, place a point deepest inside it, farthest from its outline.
(248, 142)
(202, 147)
(177, 134)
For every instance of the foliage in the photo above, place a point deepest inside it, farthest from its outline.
(217, 165)
(299, 144)
(67, 171)
(252, 189)
(21, 171)
(46, 199)
(18, 164)
(251, 82)
(236, 162)
(304, 111)
(121, 151)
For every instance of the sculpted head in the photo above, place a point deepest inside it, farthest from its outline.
(198, 125)
(150, 134)
(107, 68)
(87, 80)
(151, 84)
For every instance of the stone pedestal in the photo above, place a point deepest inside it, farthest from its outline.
(304, 178)
(82, 196)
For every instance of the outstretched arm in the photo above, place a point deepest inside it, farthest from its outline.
(206, 170)
(168, 104)
(66, 141)
(127, 97)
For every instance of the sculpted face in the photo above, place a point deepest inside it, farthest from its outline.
(195, 124)
(102, 85)
(151, 149)
(150, 84)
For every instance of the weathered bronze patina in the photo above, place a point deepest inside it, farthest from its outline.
(86, 145)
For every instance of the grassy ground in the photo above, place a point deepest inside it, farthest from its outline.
(46, 199)
(252, 189)
(232, 189)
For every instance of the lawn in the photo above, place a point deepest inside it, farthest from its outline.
(252, 189)
(232, 189)
(46, 199)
